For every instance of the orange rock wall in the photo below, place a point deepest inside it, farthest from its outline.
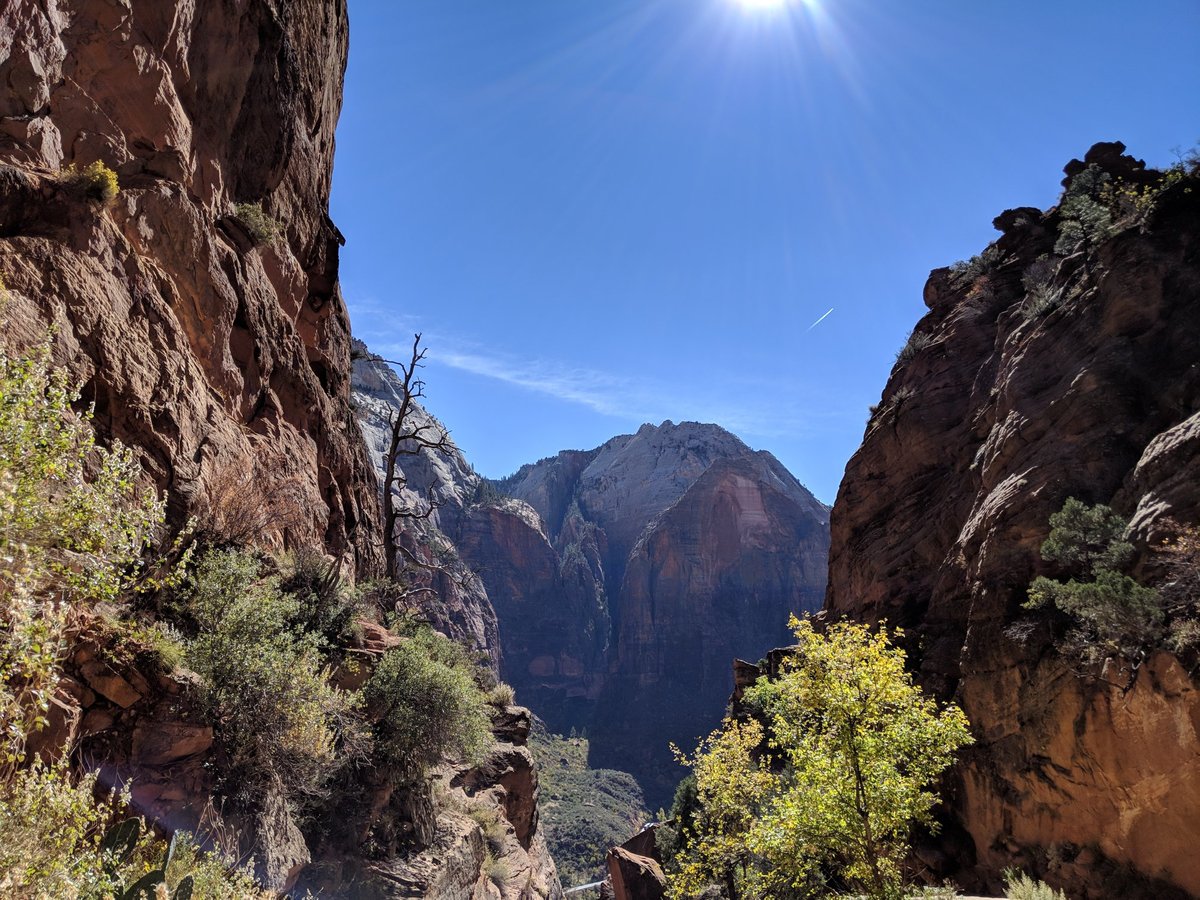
(977, 440)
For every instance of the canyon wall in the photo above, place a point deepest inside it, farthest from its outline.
(623, 579)
(199, 309)
(1027, 383)
(223, 361)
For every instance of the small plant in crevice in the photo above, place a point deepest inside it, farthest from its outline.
(916, 342)
(967, 270)
(96, 181)
(1041, 294)
(1019, 886)
(261, 227)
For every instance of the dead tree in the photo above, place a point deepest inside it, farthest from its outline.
(407, 439)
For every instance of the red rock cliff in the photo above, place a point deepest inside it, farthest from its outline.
(1004, 409)
(225, 364)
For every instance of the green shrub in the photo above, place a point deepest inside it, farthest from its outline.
(276, 719)
(1020, 886)
(1114, 614)
(73, 528)
(427, 705)
(1041, 295)
(1085, 220)
(854, 752)
(58, 841)
(496, 869)
(917, 341)
(261, 227)
(490, 823)
(966, 271)
(95, 182)
(325, 606)
(502, 694)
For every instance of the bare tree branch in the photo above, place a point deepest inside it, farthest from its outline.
(407, 439)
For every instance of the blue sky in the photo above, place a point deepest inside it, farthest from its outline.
(606, 212)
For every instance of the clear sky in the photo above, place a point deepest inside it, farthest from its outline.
(607, 212)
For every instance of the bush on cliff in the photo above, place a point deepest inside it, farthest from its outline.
(278, 722)
(261, 228)
(74, 530)
(1113, 614)
(427, 705)
(96, 181)
(824, 792)
(68, 539)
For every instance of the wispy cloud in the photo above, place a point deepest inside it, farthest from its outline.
(749, 407)
(820, 320)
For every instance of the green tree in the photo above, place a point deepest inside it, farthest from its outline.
(1113, 613)
(852, 753)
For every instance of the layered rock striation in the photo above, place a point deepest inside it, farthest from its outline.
(1035, 377)
(225, 362)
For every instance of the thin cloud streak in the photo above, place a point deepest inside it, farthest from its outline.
(820, 320)
(748, 407)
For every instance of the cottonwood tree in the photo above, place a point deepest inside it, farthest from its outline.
(407, 438)
(852, 753)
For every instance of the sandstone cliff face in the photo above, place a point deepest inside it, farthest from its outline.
(624, 578)
(677, 548)
(999, 416)
(225, 365)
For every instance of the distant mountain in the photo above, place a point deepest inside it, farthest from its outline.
(624, 579)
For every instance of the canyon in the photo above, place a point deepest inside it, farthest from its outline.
(612, 587)
(615, 585)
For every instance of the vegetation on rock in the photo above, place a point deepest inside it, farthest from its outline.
(821, 795)
(260, 226)
(1114, 615)
(76, 561)
(427, 705)
(96, 181)
(584, 811)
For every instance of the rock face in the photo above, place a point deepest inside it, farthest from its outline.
(624, 578)
(1002, 412)
(225, 364)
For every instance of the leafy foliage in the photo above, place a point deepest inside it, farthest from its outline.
(1041, 294)
(1086, 219)
(852, 751)
(428, 705)
(96, 181)
(1020, 886)
(58, 843)
(916, 342)
(260, 226)
(67, 540)
(1114, 614)
(277, 720)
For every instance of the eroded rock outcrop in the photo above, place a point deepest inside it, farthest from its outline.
(1032, 382)
(676, 548)
(225, 364)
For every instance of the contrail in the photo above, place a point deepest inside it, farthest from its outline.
(820, 320)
